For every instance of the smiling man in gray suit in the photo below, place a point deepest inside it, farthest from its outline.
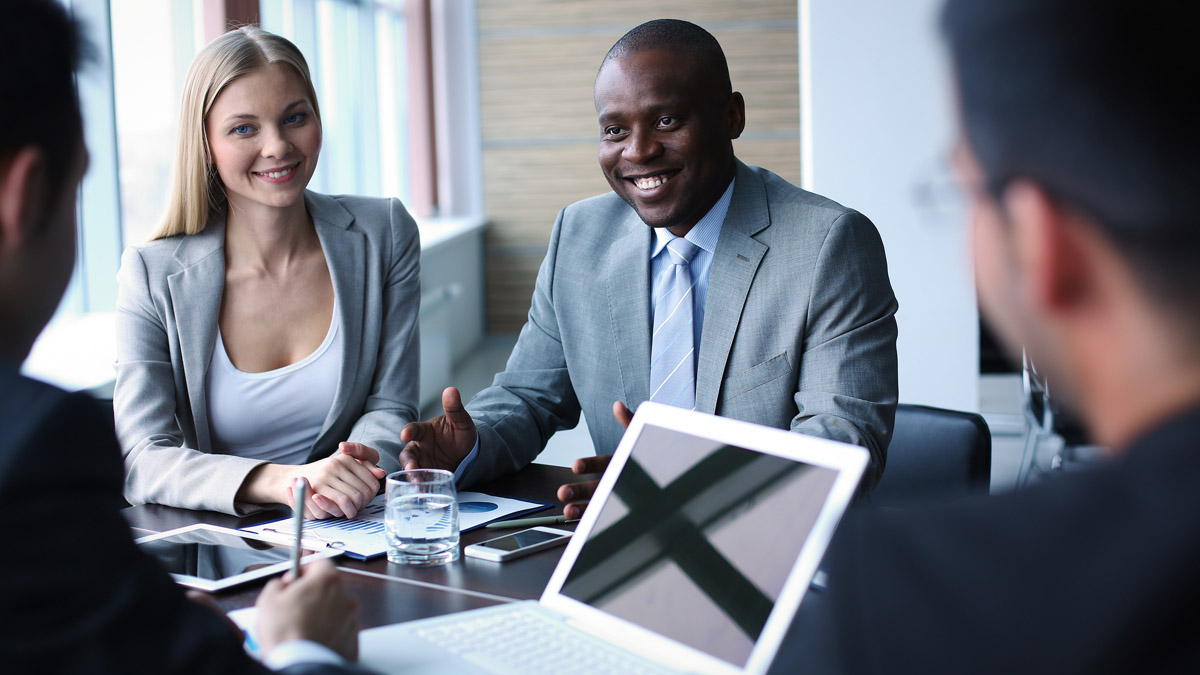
(746, 296)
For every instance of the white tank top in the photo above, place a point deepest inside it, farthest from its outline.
(274, 415)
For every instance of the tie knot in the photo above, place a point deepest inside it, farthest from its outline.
(682, 251)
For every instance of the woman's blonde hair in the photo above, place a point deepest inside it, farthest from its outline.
(196, 189)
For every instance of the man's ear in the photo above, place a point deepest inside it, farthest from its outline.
(22, 195)
(1055, 260)
(737, 115)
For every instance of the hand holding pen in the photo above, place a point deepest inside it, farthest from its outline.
(313, 607)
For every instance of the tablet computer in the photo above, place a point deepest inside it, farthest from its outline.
(213, 558)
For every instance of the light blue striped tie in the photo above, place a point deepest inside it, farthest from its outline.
(672, 354)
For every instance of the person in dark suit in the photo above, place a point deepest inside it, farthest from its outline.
(76, 593)
(1078, 153)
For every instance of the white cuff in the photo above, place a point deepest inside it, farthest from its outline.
(293, 652)
(466, 462)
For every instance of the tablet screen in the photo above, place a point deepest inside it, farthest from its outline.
(214, 555)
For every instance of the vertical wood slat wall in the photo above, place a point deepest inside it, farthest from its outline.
(538, 59)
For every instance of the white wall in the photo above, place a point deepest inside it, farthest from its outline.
(876, 101)
(451, 300)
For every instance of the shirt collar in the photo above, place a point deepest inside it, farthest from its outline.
(705, 232)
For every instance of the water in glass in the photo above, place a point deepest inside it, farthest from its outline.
(422, 529)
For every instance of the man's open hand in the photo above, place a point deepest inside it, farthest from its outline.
(442, 442)
(577, 495)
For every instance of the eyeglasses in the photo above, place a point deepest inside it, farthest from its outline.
(941, 194)
(938, 194)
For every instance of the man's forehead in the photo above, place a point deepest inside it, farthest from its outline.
(654, 77)
(648, 60)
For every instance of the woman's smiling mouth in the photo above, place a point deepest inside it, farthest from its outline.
(280, 175)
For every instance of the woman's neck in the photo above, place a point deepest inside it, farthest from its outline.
(268, 238)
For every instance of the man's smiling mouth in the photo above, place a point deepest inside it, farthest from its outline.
(647, 183)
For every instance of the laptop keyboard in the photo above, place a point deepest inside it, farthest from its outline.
(521, 642)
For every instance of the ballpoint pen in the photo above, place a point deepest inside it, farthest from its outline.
(530, 522)
(299, 487)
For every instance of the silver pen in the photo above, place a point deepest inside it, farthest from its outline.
(529, 522)
(299, 487)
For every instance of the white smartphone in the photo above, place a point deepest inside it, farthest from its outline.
(517, 544)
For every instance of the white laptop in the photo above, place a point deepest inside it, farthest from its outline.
(702, 538)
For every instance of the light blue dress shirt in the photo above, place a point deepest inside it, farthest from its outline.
(703, 234)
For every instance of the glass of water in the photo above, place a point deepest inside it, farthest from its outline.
(422, 517)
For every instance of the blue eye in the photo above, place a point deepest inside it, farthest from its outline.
(294, 118)
(242, 129)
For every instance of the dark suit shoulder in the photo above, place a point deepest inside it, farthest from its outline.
(1102, 560)
(32, 411)
(23, 396)
(47, 432)
(119, 612)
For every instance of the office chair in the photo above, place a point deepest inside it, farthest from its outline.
(935, 453)
(1044, 420)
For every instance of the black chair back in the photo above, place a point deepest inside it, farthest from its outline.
(935, 454)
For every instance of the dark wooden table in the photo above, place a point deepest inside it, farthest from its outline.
(389, 593)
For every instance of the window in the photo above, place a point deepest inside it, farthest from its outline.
(153, 44)
(357, 52)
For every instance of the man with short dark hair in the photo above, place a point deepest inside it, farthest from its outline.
(1078, 150)
(76, 593)
(698, 282)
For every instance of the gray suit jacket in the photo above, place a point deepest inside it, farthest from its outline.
(799, 330)
(167, 309)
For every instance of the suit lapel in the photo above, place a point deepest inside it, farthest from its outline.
(734, 265)
(346, 255)
(627, 276)
(196, 300)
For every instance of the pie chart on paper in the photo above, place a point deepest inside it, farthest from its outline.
(476, 507)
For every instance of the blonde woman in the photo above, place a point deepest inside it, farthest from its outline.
(266, 332)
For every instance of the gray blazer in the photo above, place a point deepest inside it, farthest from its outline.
(799, 329)
(167, 309)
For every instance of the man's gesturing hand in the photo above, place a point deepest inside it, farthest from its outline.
(442, 442)
(577, 495)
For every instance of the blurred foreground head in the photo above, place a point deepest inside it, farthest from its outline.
(42, 160)
(1078, 148)
(1097, 102)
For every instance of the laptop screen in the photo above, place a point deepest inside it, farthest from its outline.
(697, 540)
